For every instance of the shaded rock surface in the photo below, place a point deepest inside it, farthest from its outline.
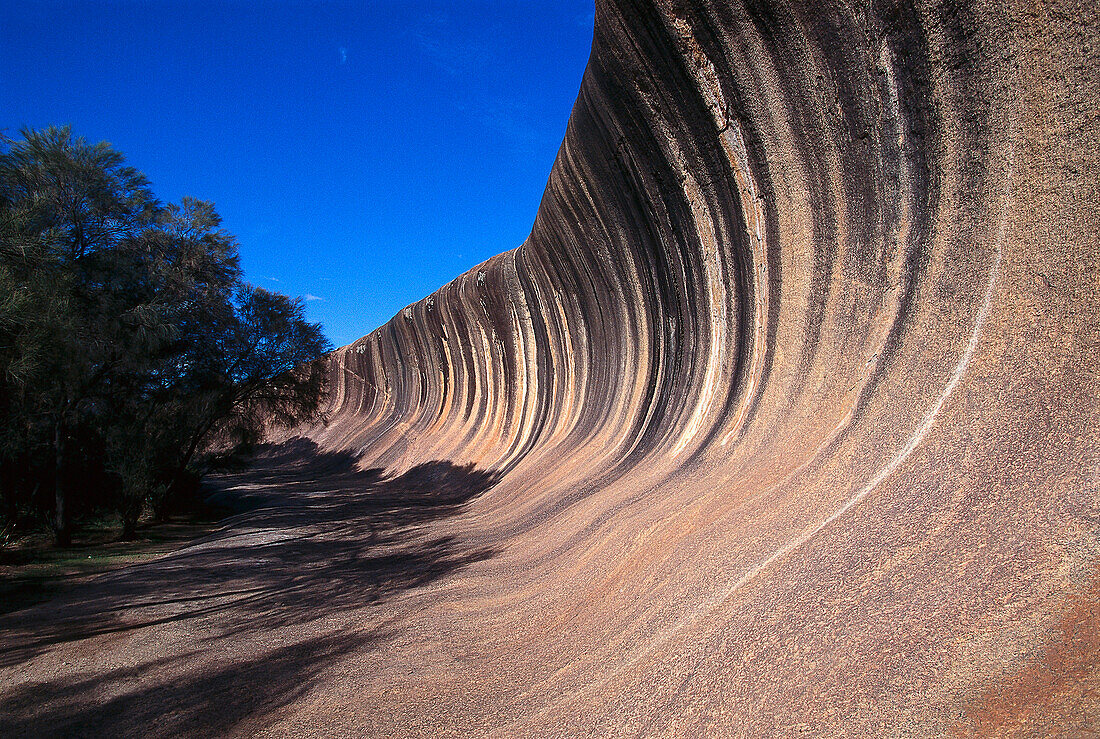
(782, 421)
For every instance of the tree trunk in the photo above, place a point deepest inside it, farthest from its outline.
(193, 447)
(162, 505)
(62, 532)
(171, 495)
(129, 525)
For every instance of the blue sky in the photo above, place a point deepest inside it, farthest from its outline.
(363, 153)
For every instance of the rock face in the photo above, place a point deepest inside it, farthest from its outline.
(791, 392)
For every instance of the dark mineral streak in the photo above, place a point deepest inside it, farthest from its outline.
(782, 422)
(792, 385)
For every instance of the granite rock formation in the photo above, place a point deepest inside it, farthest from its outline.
(793, 385)
(782, 422)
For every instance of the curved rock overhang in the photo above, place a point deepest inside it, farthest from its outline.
(792, 389)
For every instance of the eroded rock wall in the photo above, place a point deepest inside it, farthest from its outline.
(792, 386)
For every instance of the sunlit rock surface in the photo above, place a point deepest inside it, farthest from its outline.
(793, 386)
(782, 422)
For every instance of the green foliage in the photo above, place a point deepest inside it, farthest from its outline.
(128, 339)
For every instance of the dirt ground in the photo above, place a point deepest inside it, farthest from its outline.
(32, 570)
(205, 627)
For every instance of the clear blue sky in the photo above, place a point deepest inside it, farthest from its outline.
(364, 153)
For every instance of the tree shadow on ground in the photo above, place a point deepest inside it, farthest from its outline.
(204, 700)
(328, 538)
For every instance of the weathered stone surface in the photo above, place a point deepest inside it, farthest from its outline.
(783, 422)
(793, 385)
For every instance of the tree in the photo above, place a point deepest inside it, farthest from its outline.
(261, 371)
(29, 322)
(128, 338)
(72, 202)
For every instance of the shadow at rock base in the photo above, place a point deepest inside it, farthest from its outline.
(322, 538)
